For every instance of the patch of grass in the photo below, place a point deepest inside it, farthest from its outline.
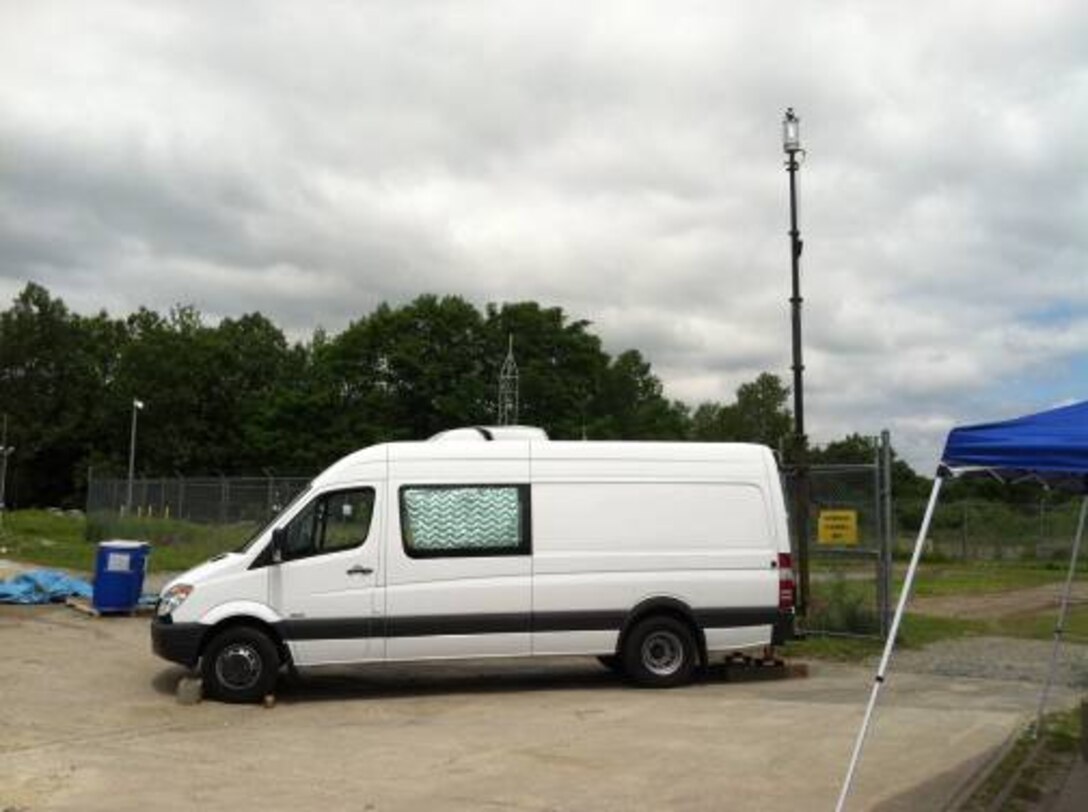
(838, 603)
(1006, 770)
(1064, 729)
(993, 578)
(835, 649)
(55, 540)
(1040, 625)
(918, 631)
(47, 538)
(60, 527)
(1022, 778)
(980, 578)
(176, 544)
(843, 599)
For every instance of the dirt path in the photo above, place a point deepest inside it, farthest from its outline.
(1000, 604)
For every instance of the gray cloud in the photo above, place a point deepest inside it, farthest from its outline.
(621, 160)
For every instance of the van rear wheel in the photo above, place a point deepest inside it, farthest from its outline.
(660, 653)
(240, 665)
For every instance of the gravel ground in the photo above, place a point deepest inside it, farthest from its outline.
(91, 723)
(997, 658)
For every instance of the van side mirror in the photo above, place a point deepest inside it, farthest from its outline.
(279, 536)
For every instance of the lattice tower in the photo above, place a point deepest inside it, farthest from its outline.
(508, 388)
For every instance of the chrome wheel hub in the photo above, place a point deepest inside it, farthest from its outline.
(662, 653)
(238, 666)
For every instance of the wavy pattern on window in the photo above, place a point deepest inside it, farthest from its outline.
(470, 518)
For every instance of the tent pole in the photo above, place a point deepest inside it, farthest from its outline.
(1059, 629)
(889, 644)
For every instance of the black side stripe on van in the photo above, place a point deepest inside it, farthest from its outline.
(512, 623)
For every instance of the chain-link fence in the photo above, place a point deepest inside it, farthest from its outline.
(849, 551)
(983, 530)
(205, 500)
(848, 565)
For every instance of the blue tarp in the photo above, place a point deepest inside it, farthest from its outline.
(42, 586)
(1052, 445)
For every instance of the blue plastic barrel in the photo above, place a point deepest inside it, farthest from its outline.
(119, 568)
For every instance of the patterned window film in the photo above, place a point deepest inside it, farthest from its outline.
(464, 520)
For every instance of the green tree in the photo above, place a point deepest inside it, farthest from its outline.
(560, 366)
(857, 448)
(407, 372)
(631, 405)
(237, 398)
(759, 415)
(54, 366)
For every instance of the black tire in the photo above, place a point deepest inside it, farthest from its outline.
(612, 662)
(240, 664)
(660, 652)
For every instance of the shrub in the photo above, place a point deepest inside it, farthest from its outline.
(841, 606)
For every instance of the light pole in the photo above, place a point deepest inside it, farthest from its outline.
(791, 144)
(137, 405)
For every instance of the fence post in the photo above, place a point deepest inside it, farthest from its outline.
(1042, 525)
(224, 491)
(963, 531)
(888, 533)
(269, 494)
(878, 497)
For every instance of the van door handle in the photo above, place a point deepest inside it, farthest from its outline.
(357, 570)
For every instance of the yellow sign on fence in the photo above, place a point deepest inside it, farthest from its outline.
(838, 527)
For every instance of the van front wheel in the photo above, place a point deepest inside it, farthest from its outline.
(240, 665)
(660, 653)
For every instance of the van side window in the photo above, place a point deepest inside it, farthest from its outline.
(331, 522)
(464, 520)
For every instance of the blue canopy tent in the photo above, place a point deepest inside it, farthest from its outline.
(1050, 447)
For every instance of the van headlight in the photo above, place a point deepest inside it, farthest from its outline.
(172, 598)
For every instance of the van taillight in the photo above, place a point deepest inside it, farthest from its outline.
(787, 586)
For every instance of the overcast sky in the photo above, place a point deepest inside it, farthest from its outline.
(621, 160)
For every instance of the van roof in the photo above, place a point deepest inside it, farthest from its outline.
(483, 434)
(518, 441)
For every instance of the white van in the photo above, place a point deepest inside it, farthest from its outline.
(496, 542)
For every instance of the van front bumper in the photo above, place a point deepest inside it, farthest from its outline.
(177, 642)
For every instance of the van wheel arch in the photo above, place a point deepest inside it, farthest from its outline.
(667, 607)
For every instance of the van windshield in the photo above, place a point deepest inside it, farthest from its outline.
(253, 539)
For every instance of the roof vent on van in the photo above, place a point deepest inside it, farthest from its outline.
(486, 433)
